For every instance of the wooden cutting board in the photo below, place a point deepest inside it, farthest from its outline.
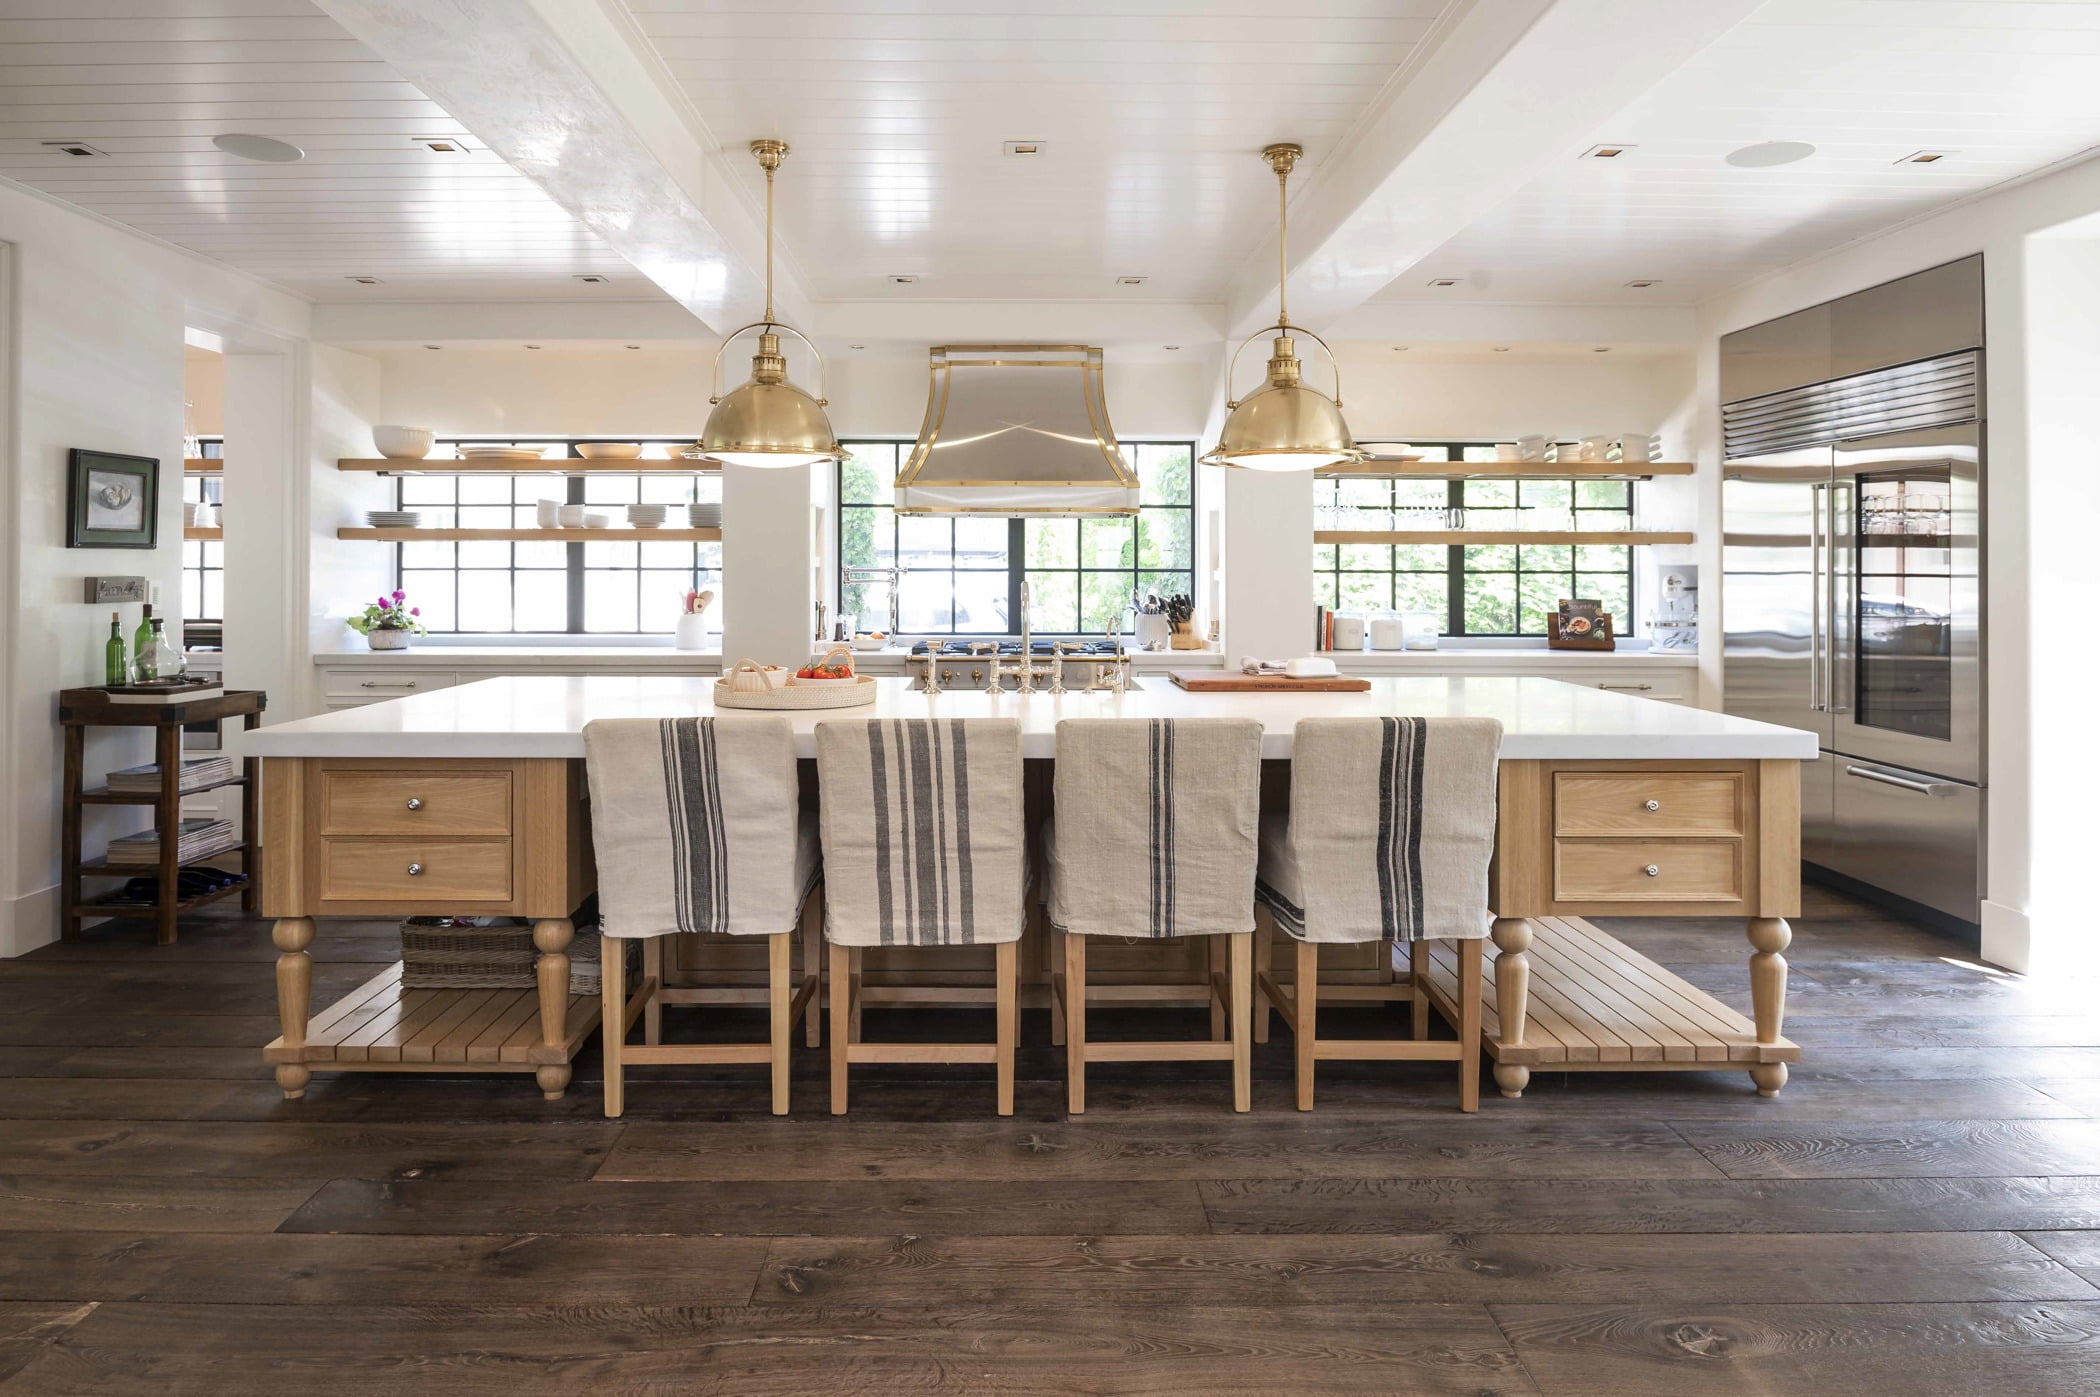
(1213, 681)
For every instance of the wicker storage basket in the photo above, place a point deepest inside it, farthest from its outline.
(800, 697)
(438, 956)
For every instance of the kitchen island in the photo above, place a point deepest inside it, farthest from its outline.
(471, 801)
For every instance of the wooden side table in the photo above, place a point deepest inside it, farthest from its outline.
(81, 709)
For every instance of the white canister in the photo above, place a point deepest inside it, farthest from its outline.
(692, 630)
(1386, 632)
(1419, 630)
(1348, 631)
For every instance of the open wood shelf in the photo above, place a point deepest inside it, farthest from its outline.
(203, 465)
(1545, 537)
(1510, 470)
(109, 906)
(382, 1027)
(624, 535)
(192, 532)
(103, 795)
(103, 868)
(677, 465)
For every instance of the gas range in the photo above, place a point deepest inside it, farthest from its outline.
(981, 664)
(1009, 649)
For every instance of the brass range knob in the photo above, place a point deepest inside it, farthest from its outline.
(1651, 805)
(415, 802)
(415, 870)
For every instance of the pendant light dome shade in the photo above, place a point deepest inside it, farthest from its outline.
(1284, 425)
(768, 421)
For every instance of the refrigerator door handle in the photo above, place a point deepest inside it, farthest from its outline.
(1889, 778)
(1838, 642)
(1818, 660)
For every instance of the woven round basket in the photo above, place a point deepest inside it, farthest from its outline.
(798, 698)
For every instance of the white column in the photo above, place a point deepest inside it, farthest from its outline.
(768, 591)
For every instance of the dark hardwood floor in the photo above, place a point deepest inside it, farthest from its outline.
(1918, 1212)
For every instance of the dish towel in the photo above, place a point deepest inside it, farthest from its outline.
(697, 827)
(1390, 830)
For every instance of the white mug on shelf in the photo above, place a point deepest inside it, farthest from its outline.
(1530, 448)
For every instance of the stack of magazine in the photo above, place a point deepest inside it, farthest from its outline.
(197, 772)
(199, 839)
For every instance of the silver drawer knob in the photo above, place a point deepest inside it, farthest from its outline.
(415, 870)
(1645, 805)
(416, 803)
(1652, 871)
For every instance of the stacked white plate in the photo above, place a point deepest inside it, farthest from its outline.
(646, 516)
(393, 518)
(704, 516)
(499, 453)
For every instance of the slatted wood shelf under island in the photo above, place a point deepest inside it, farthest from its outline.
(383, 1027)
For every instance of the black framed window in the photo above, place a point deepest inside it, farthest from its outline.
(958, 576)
(204, 559)
(1480, 589)
(555, 586)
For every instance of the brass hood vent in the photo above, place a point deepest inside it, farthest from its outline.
(1016, 429)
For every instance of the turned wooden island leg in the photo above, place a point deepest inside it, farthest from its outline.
(552, 937)
(295, 978)
(1512, 996)
(1769, 938)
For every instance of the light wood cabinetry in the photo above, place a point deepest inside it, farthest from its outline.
(415, 802)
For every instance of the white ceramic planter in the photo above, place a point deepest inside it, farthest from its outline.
(387, 640)
(692, 631)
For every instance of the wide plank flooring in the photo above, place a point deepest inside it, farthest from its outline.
(1918, 1212)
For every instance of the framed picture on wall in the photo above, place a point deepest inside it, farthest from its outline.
(112, 501)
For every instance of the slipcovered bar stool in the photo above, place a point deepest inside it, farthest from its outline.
(1388, 837)
(1153, 836)
(697, 827)
(925, 844)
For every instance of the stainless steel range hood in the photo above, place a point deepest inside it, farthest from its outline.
(1016, 429)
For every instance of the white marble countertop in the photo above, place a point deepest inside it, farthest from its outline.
(543, 716)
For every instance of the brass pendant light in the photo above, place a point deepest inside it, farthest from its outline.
(1284, 425)
(768, 421)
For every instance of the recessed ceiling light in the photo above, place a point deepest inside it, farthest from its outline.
(79, 148)
(1502, 349)
(1925, 157)
(1445, 280)
(904, 280)
(532, 346)
(263, 148)
(441, 145)
(1170, 346)
(1768, 153)
(433, 346)
(363, 280)
(1399, 349)
(1023, 147)
(634, 346)
(1131, 280)
(856, 346)
(1601, 349)
(593, 279)
(1643, 285)
(1609, 150)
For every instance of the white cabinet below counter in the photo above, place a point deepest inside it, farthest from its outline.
(355, 678)
(1666, 678)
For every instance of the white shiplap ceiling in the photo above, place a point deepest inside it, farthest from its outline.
(152, 81)
(2009, 86)
(1151, 115)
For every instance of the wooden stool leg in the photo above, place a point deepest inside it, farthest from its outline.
(853, 976)
(1306, 1006)
(1213, 979)
(1264, 967)
(1075, 1023)
(841, 976)
(1418, 972)
(1047, 939)
(1469, 1044)
(780, 980)
(653, 1011)
(813, 966)
(1008, 996)
(1242, 953)
(552, 936)
(613, 1020)
(295, 978)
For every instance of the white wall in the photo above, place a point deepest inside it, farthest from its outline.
(95, 318)
(2038, 672)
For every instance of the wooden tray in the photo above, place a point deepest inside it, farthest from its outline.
(1210, 681)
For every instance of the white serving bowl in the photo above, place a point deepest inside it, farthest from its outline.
(403, 443)
(608, 450)
(570, 515)
(596, 520)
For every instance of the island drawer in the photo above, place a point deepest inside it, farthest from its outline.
(1647, 870)
(1642, 803)
(415, 870)
(415, 802)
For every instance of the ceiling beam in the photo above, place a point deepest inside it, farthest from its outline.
(1501, 90)
(573, 97)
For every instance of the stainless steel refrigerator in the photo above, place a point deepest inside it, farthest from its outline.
(1852, 507)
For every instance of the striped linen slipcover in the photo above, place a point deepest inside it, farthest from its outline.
(697, 825)
(1155, 826)
(1390, 830)
(925, 839)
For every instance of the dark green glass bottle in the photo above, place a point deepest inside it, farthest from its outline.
(116, 663)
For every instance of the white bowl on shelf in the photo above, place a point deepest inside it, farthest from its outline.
(597, 520)
(609, 450)
(403, 443)
(647, 516)
(570, 516)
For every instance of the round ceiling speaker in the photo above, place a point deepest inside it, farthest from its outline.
(1768, 153)
(263, 148)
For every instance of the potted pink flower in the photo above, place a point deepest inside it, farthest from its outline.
(387, 624)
